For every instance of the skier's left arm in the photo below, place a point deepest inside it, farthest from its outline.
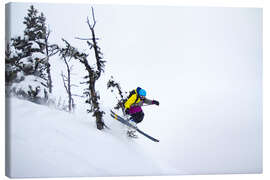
(148, 101)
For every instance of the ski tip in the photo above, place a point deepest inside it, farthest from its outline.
(155, 140)
(113, 116)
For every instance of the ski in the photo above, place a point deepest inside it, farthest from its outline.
(122, 120)
(107, 126)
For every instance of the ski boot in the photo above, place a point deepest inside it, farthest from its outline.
(131, 132)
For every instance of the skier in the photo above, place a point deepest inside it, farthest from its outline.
(133, 108)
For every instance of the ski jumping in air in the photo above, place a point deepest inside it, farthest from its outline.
(133, 108)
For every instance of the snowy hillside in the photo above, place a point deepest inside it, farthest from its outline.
(45, 141)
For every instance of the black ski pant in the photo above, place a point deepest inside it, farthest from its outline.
(137, 117)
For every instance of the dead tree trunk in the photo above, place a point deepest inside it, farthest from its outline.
(100, 65)
(92, 95)
(94, 74)
(68, 85)
(50, 51)
(67, 52)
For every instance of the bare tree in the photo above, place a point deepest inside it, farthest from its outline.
(93, 73)
(65, 53)
(66, 82)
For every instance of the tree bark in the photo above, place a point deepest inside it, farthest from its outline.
(68, 86)
(47, 63)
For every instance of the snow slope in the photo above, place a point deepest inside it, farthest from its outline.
(49, 143)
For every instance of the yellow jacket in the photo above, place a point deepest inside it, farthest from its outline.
(135, 97)
(132, 100)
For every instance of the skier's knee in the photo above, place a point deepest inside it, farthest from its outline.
(140, 117)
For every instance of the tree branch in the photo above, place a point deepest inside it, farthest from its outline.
(94, 20)
(86, 39)
(64, 81)
(78, 95)
(73, 85)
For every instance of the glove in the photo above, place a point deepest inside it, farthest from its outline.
(127, 111)
(155, 102)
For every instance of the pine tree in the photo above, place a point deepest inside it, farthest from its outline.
(30, 56)
(11, 63)
(35, 33)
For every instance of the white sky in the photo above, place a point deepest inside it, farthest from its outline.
(204, 65)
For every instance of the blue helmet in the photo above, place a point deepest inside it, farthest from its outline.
(142, 92)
